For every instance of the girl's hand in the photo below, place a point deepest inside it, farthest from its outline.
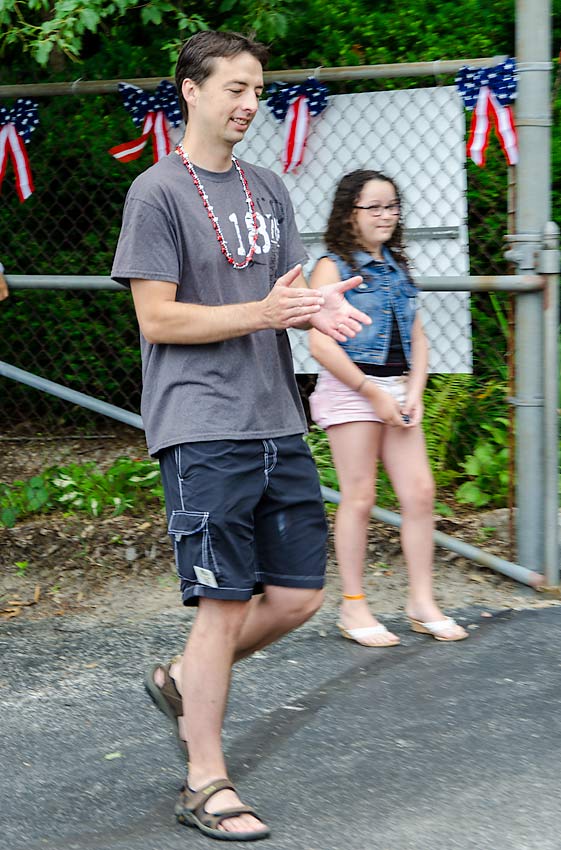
(385, 406)
(414, 409)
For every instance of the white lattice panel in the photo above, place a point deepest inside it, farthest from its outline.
(415, 136)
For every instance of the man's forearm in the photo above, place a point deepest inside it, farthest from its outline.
(175, 323)
(163, 320)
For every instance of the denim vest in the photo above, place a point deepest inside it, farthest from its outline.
(386, 288)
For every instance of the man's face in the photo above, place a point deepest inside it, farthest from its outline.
(225, 104)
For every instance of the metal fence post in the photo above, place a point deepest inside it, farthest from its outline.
(549, 267)
(533, 211)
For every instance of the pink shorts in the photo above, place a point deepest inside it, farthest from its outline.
(334, 403)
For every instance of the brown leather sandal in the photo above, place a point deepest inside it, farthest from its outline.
(190, 810)
(167, 698)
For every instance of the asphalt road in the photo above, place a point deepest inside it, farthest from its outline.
(426, 746)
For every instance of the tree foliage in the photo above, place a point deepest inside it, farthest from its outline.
(51, 30)
(54, 34)
(339, 33)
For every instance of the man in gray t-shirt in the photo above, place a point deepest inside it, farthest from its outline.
(244, 387)
(210, 249)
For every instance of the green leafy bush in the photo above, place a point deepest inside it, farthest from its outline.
(487, 469)
(22, 497)
(446, 399)
(122, 487)
(126, 485)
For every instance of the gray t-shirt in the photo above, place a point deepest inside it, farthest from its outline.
(242, 388)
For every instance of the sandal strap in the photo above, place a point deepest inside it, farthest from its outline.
(367, 631)
(195, 801)
(169, 690)
(214, 819)
(440, 625)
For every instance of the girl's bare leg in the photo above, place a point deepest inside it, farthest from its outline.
(355, 447)
(404, 456)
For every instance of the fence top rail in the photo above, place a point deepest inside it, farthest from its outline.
(459, 283)
(349, 72)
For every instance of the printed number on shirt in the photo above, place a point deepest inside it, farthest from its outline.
(268, 230)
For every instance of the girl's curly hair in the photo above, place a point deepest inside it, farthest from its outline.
(341, 237)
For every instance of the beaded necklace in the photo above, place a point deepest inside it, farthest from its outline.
(210, 212)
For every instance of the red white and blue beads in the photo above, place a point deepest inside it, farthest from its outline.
(210, 212)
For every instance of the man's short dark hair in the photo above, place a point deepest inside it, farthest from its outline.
(196, 59)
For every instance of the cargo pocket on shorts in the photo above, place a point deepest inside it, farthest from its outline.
(193, 547)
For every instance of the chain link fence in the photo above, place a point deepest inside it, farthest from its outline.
(85, 340)
(455, 217)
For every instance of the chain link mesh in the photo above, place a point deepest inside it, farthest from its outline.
(417, 138)
(89, 340)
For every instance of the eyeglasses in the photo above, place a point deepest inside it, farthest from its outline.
(377, 209)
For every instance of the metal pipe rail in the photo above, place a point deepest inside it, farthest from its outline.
(460, 283)
(68, 394)
(353, 72)
(70, 282)
(466, 550)
(478, 556)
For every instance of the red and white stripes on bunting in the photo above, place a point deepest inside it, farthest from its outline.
(296, 132)
(489, 93)
(12, 146)
(487, 111)
(155, 125)
(294, 105)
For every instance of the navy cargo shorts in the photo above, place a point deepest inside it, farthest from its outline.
(243, 514)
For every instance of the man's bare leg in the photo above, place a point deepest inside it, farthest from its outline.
(207, 665)
(225, 632)
(273, 614)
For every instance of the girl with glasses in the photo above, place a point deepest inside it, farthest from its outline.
(369, 400)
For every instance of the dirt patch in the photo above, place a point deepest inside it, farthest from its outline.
(23, 455)
(122, 566)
